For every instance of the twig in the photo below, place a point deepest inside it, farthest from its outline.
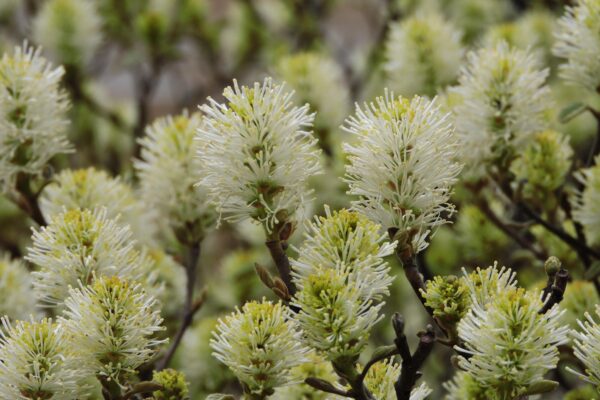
(27, 200)
(282, 263)
(510, 232)
(557, 290)
(384, 353)
(325, 386)
(190, 307)
(140, 388)
(409, 373)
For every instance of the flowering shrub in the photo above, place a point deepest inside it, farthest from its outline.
(287, 200)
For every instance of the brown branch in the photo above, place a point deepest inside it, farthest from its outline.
(557, 290)
(282, 263)
(325, 386)
(27, 200)
(411, 364)
(190, 307)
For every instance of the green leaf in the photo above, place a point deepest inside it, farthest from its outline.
(539, 387)
(571, 111)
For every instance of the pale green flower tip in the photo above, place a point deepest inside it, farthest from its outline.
(174, 385)
(261, 344)
(252, 175)
(449, 298)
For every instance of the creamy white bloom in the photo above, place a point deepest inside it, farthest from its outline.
(423, 54)
(512, 345)
(16, 301)
(587, 348)
(319, 81)
(346, 239)
(503, 102)
(261, 345)
(92, 189)
(168, 171)
(463, 386)
(256, 154)
(403, 165)
(381, 378)
(578, 42)
(420, 392)
(112, 325)
(38, 362)
(586, 203)
(33, 117)
(485, 284)
(69, 30)
(79, 245)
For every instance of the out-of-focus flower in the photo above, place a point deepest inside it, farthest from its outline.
(261, 345)
(578, 42)
(402, 166)
(174, 385)
(16, 301)
(580, 298)
(423, 54)
(586, 204)
(512, 345)
(317, 80)
(33, 117)
(112, 325)
(70, 30)
(475, 16)
(38, 363)
(172, 280)
(256, 155)
(80, 246)
(93, 189)
(168, 171)
(504, 104)
(346, 239)
(542, 166)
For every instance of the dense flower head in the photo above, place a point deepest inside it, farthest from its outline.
(112, 324)
(586, 204)
(543, 165)
(169, 170)
(381, 378)
(578, 42)
(448, 297)
(90, 188)
(504, 103)
(586, 341)
(403, 165)
(485, 284)
(319, 81)
(346, 239)
(174, 386)
(256, 154)
(171, 282)
(69, 30)
(16, 301)
(423, 54)
(78, 246)
(37, 362)
(511, 344)
(464, 386)
(335, 315)
(33, 117)
(261, 345)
